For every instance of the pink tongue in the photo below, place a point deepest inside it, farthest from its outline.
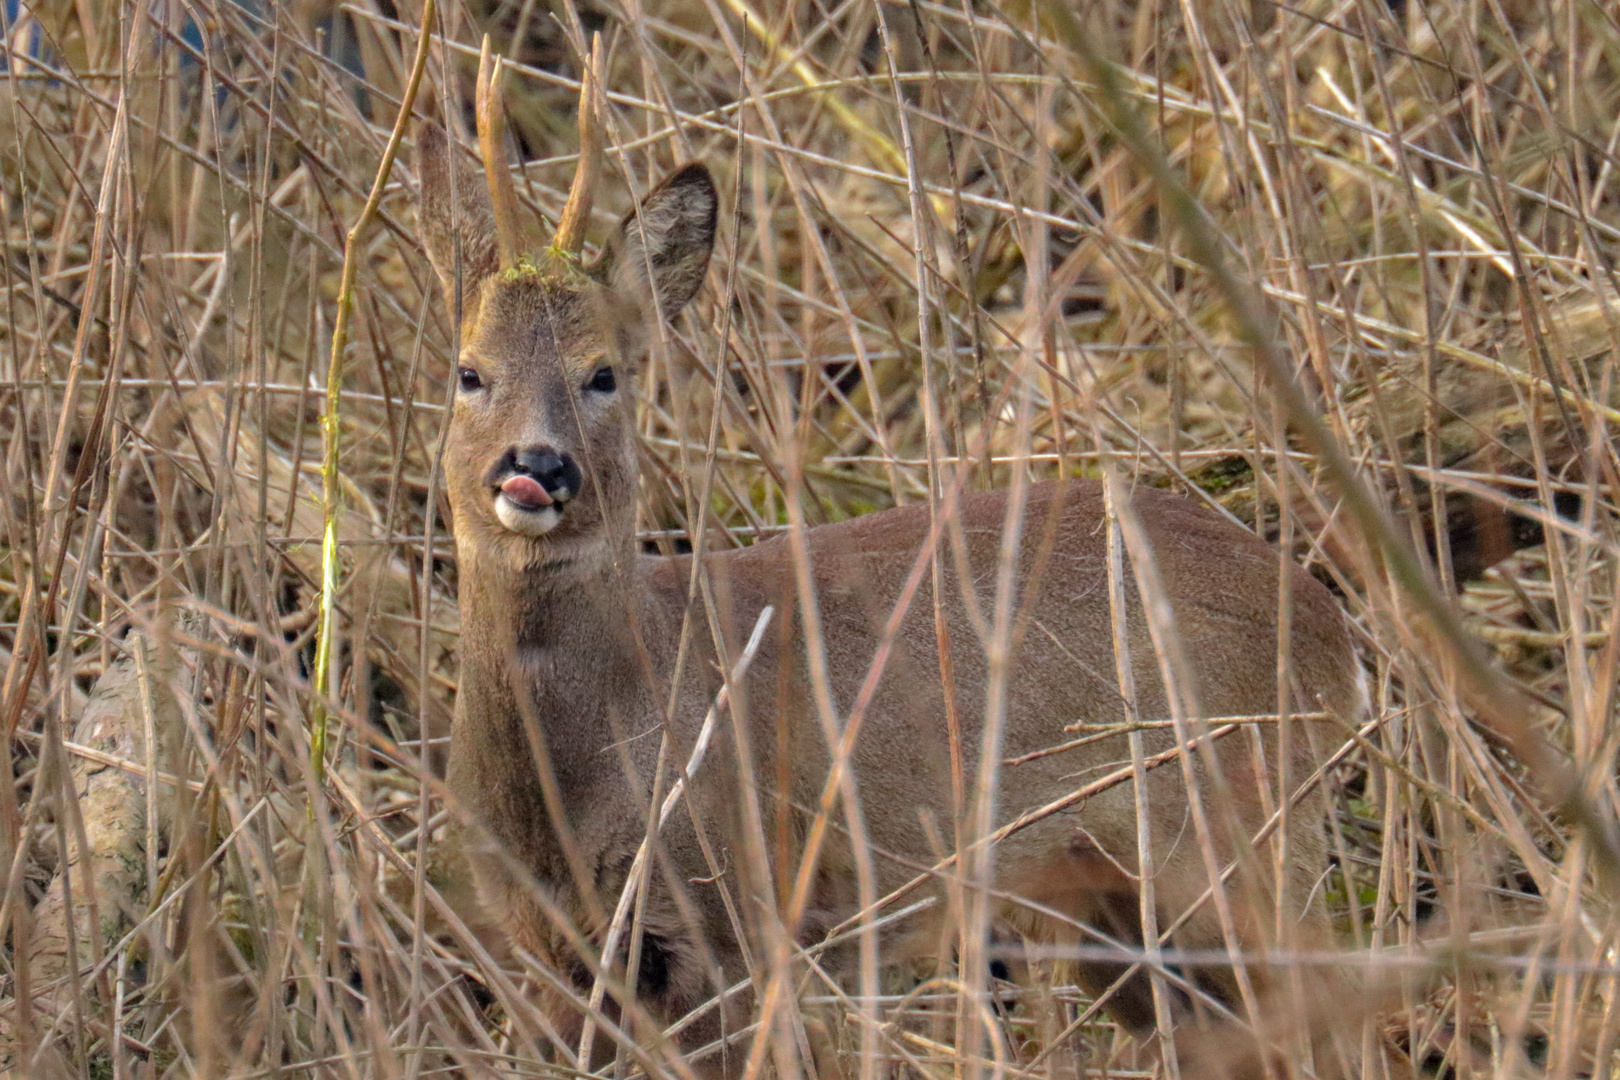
(526, 492)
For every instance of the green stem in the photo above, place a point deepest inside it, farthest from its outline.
(331, 490)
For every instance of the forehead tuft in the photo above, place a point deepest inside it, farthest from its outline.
(535, 310)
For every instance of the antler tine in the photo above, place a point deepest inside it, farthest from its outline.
(492, 144)
(571, 225)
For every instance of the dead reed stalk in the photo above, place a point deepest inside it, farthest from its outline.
(1341, 269)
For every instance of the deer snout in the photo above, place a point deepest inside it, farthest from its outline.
(532, 484)
(554, 472)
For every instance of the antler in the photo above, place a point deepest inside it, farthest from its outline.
(577, 212)
(492, 144)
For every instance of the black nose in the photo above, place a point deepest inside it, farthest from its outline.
(556, 472)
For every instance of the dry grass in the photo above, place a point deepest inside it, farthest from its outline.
(941, 255)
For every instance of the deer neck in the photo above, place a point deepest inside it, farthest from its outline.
(548, 603)
(550, 650)
(551, 628)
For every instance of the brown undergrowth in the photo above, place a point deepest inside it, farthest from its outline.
(938, 217)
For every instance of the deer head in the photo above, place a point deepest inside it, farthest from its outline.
(541, 461)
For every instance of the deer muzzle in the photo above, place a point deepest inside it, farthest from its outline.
(532, 485)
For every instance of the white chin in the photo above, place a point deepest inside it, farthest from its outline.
(526, 521)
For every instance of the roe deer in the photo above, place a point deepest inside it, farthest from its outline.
(571, 641)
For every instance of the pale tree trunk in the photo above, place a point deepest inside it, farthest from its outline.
(106, 828)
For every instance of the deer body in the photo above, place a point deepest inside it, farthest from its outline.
(571, 643)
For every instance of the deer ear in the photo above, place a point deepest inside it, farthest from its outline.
(441, 218)
(661, 251)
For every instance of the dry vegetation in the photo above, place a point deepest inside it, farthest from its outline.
(948, 248)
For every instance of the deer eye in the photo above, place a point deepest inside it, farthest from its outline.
(602, 381)
(468, 380)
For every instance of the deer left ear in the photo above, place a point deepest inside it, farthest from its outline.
(661, 251)
(442, 218)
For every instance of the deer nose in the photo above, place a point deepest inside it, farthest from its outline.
(554, 471)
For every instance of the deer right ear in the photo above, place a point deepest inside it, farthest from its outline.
(661, 251)
(441, 218)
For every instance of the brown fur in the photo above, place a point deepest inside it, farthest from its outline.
(569, 642)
